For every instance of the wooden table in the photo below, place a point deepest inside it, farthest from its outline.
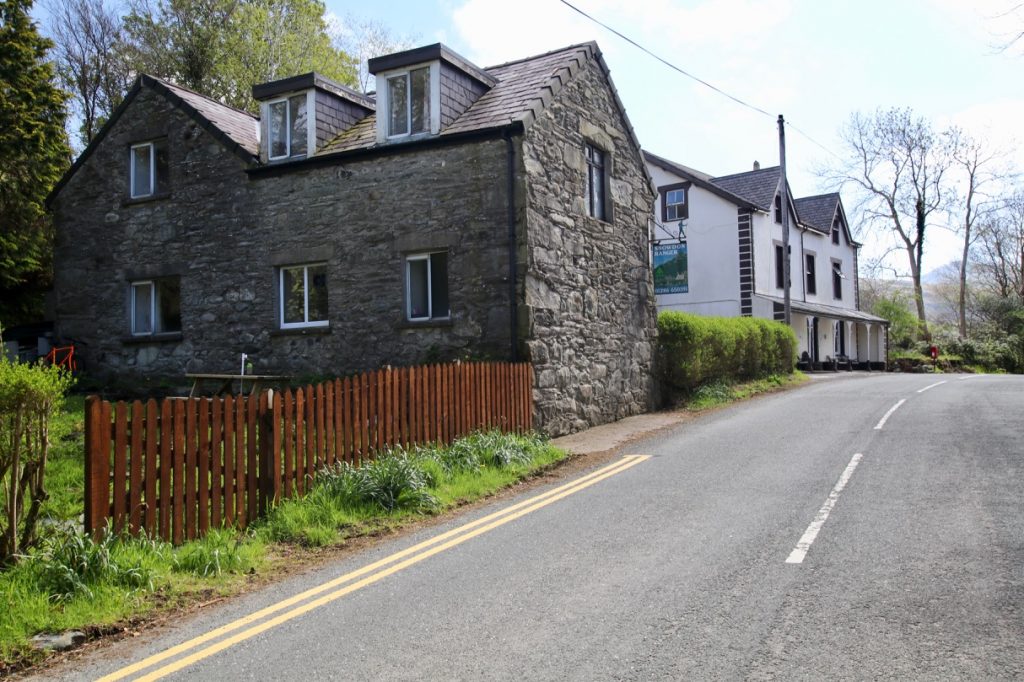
(227, 379)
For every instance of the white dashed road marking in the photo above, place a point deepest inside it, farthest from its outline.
(881, 422)
(798, 554)
(932, 386)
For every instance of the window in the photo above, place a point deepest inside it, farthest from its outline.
(778, 208)
(303, 296)
(812, 280)
(835, 232)
(409, 103)
(156, 306)
(426, 286)
(673, 202)
(288, 133)
(148, 173)
(780, 273)
(837, 280)
(595, 182)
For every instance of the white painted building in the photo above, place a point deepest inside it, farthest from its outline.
(717, 250)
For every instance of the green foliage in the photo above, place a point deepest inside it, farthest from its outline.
(695, 350)
(220, 551)
(221, 48)
(72, 564)
(33, 155)
(896, 307)
(400, 482)
(391, 481)
(722, 392)
(487, 449)
(30, 395)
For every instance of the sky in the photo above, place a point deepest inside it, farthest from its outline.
(813, 61)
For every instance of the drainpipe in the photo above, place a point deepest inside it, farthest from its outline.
(512, 261)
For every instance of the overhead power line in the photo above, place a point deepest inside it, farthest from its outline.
(691, 76)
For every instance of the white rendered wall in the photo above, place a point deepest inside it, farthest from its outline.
(824, 253)
(768, 233)
(712, 251)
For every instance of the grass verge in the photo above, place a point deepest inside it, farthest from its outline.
(722, 392)
(74, 583)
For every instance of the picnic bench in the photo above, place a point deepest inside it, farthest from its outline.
(224, 382)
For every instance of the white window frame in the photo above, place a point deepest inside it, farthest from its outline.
(152, 170)
(154, 305)
(425, 256)
(680, 206)
(305, 298)
(310, 126)
(384, 102)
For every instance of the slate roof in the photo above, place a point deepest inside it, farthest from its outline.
(817, 212)
(524, 87)
(240, 127)
(757, 186)
(697, 177)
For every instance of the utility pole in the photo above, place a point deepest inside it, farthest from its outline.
(785, 220)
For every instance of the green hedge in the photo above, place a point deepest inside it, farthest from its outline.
(694, 350)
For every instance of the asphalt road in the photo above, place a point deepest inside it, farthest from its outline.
(785, 538)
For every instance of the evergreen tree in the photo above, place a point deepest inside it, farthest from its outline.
(33, 155)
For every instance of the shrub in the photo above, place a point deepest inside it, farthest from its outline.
(30, 395)
(694, 350)
(71, 563)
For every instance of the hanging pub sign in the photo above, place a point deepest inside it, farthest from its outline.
(671, 272)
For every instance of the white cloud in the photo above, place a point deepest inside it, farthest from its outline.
(996, 122)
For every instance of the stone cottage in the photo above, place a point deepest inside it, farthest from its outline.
(462, 212)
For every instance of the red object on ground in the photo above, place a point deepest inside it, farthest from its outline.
(934, 350)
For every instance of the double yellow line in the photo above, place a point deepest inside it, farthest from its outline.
(303, 602)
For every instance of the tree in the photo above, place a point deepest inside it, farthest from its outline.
(1000, 260)
(221, 48)
(977, 166)
(33, 156)
(898, 165)
(90, 57)
(896, 308)
(293, 39)
(181, 40)
(365, 39)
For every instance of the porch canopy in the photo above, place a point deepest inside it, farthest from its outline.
(821, 310)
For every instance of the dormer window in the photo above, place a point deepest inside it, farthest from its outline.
(409, 103)
(288, 130)
(423, 90)
(301, 114)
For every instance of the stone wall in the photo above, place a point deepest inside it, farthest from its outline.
(225, 233)
(586, 306)
(589, 318)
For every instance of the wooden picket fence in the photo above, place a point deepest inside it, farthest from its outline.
(176, 468)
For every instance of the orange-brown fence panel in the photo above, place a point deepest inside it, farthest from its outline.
(177, 468)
